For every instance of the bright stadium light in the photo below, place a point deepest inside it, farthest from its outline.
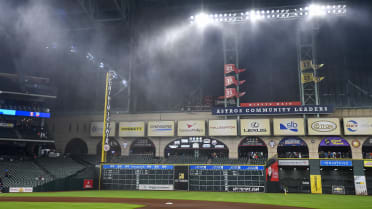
(254, 14)
(316, 11)
(202, 19)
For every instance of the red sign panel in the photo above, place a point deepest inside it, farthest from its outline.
(270, 104)
(88, 184)
(272, 172)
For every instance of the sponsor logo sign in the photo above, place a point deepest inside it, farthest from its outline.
(293, 162)
(246, 189)
(270, 104)
(360, 185)
(289, 126)
(227, 167)
(368, 163)
(223, 128)
(96, 129)
(255, 127)
(323, 126)
(357, 126)
(160, 128)
(282, 110)
(191, 128)
(20, 189)
(155, 187)
(6, 125)
(336, 163)
(316, 184)
(334, 141)
(88, 184)
(132, 129)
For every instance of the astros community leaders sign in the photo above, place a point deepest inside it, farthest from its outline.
(308, 109)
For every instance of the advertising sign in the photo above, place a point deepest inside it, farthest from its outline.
(323, 126)
(360, 185)
(6, 125)
(88, 184)
(282, 110)
(358, 126)
(155, 187)
(191, 128)
(367, 163)
(293, 162)
(272, 172)
(336, 163)
(96, 129)
(334, 141)
(132, 129)
(316, 184)
(270, 104)
(289, 126)
(246, 189)
(223, 128)
(160, 128)
(255, 127)
(252, 141)
(20, 189)
(292, 141)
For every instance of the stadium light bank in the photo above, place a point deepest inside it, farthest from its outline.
(289, 12)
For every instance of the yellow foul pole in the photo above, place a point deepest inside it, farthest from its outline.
(103, 152)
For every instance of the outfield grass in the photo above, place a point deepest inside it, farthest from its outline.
(64, 205)
(300, 200)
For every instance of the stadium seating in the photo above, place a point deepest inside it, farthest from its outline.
(23, 174)
(60, 167)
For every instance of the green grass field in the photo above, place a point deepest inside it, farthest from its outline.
(300, 200)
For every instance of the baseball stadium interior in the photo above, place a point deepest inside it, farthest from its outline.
(195, 95)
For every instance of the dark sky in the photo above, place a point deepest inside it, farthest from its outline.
(170, 59)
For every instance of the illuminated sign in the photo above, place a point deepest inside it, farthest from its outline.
(24, 113)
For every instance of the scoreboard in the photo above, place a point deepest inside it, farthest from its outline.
(229, 178)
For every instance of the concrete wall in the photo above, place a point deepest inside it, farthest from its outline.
(67, 127)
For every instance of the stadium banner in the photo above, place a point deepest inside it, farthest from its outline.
(358, 126)
(88, 184)
(360, 185)
(272, 172)
(316, 184)
(223, 128)
(246, 189)
(132, 129)
(20, 189)
(293, 162)
(367, 163)
(336, 163)
(270, 104)
(160, 128)
(255, 127)
(289, 126)
(191, 128)
(323, 126)
(334, 141)
(96, 129)
(165, 187)
(280, 110)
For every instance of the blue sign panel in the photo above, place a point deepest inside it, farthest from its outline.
(138, 167)
(226, 167)
(282, 110)
(336, 163)
(24, 113)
